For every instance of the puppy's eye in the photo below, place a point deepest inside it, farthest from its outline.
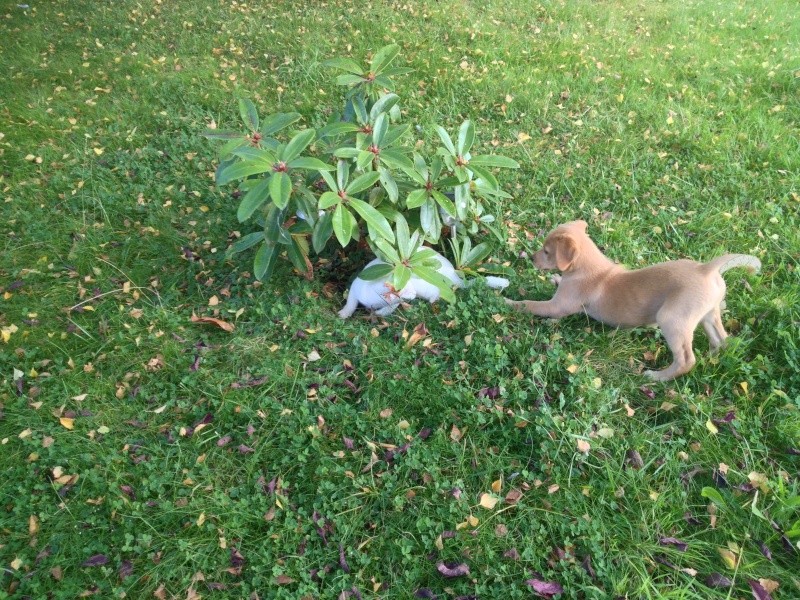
(545, 251)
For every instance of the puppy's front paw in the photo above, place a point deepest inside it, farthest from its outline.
(555, 279)
(655, 375)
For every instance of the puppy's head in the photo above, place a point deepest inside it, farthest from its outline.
(562, 247)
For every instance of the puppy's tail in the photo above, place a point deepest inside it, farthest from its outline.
(730, 261)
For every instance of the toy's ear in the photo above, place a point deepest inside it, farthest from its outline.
(566, 252)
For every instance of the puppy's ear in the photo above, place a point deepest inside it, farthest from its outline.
(566, 252)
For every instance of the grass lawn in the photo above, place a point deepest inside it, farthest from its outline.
(301, 456)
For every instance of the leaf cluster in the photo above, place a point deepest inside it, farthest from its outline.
(358, 179)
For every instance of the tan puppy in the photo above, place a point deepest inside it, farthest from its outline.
(675, 295)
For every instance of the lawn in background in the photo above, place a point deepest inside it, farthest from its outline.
(305, 457)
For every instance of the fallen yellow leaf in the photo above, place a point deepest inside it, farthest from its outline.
(728, 557)
(488, 501)
(67, 422)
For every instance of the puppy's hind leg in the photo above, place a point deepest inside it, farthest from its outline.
(712, 324)
(679, 339)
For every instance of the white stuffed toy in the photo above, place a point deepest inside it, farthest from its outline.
(378, 295)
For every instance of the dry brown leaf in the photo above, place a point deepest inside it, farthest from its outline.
(583, 446)
(513, 496)
(420, 332)
(224, 325)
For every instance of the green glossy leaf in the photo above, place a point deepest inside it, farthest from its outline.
(274, 233)
(389, 184)
(298, 255)
(362, 182)
(214, 134)
(396, 159)
(416, 198)
(488, 180)
(462, 202)
(342, 174)
(414, 242)
(375, 272)
(264, 261)
(364, 159)
(430, 221)
(445, 137)
(329, 181)
(444, 202)
(476, 255)
(375, 220)
(493, 160)
(394, 134)
(390, 255)
(466, 136)
(253, 200)
(231, 146)
(239, 170)
(249, 113)
(345, 64)
(436, 168)
(335, 129)
(308, 162)
(415, 176)
(403, 234)
(401, 276)
(329, 199)
(382, 81)
(383, 58)
(278, 121)
(247, 241)
(423, 255)
(280, 189)
(383, 105)
(323, 231)
(360, 109)
(380, 129)
(349, 79)
(347, 152)
(297, 144)
(255, 155)
(435, 278)
(341, 225)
